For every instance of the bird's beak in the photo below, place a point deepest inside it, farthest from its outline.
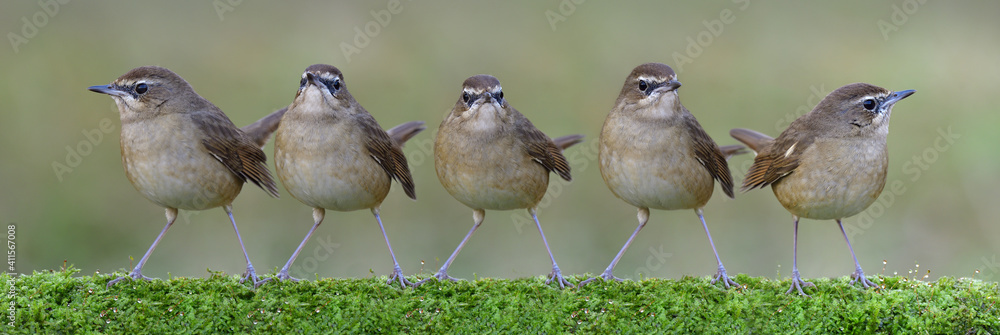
(313, 79)
(896, 96)
(107, 89)
(669, 86)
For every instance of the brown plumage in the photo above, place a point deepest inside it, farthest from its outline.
(180, 151)
(655, 155)
(489, 156)
(543, 149)
(260, 132)
(829, 164)
(330, 153)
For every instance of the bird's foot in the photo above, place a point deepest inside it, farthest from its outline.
(440, 276)
(281, 276)
(606, 276)
(798, 284)
(721, 276)
(251, 275)
(859, 276)
(397, 276)
(556, 275)
(134, 275)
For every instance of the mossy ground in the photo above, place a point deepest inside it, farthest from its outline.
(64, 302)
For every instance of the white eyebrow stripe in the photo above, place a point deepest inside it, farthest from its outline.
(481, 91)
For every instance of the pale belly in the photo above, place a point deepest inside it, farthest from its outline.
(479, 180)
(830, 193)
(176, 172)
(336, 176)
(649, 172)
(667, 181)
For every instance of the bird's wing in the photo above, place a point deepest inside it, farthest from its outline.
(234, 149)
(775, 159)
(387, 153)
(710, 156)
(542, 149)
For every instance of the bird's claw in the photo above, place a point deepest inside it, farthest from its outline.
(798, 284)
(397, 276)
(134, 275)
(251, 275)
(557, 276)
(721, 275)
(606, 276)
(859, 276)
(281, 276)
(440, 276)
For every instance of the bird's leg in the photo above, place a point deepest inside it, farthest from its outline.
(858, 275)
(137, 271)
(250, 273)
(318, 214)
(643, 216)
(797, 282)
(477, 216)
(397, 272)
(721, 273)
(556, 273)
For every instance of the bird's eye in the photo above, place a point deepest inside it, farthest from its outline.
(643, 85)
(336, 84)
(141, 88)
(302, 82)
(870, 104)
(465, 97)
(499, 95)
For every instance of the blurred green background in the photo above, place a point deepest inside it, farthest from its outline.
(770, 63)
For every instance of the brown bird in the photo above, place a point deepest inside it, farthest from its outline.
(829, 164)
(181, 152)
(654, 154)
(489, 156)
(331, 154)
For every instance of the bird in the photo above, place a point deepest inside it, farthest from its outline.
(654, 155)
(487, 155)
(829, 164)
(182, 152)
(330, 153)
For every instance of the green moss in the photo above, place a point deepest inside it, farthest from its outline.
(60, 302)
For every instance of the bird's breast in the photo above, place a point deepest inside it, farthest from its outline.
(652, 166)
(328, 166)
(486, 170)
(166, 162)
(835, 179)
